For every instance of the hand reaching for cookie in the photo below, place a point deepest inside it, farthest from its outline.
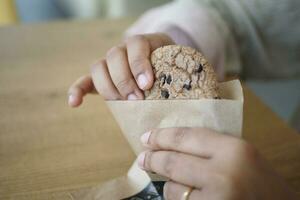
(124, 73)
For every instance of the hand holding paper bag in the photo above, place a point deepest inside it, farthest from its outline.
(213, 165)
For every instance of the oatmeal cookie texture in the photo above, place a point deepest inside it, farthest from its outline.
(181, 73)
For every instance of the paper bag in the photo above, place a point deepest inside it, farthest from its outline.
(136, 117)
(224, 115)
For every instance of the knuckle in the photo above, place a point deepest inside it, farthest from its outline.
(124, 85)
(136, 39)
(112, 97)
(180, 135)
(138, 63)
(242, 147)
(114, 51)
(170, 165)
(148, 160)
(242, 150)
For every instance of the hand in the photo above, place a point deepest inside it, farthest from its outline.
(124, 73)
(217, 166)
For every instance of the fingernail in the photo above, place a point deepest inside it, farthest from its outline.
(132, 96)
(71, 99)
(142, 81)
(141, 160)
(145, 137)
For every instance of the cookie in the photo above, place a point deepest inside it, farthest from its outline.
(181, 73)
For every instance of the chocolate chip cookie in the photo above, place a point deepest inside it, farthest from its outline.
(181, 73)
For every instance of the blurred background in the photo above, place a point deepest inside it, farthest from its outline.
(32, 11)
(283, 96)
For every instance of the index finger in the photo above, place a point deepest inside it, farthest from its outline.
(139, 48)
(196, 141)
(79, 89)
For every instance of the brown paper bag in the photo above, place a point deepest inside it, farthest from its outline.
(122, 187)
(137, 117)
(224, 115)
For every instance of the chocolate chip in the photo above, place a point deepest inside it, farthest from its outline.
(165, 94)
(200, 68)
(187, 86)
(169, 79)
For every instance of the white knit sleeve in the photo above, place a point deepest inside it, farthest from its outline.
(202, 24)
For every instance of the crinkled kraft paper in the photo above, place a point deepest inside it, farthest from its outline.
(137, 117)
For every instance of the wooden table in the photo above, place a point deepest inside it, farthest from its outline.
(50, 151)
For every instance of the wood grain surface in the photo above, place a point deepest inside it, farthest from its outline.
(50, 151)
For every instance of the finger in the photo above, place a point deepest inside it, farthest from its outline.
(79, 89)
(179, 167)
(121, 75)
(103, 82)
(158, 40)
(175, 191)
(139, 48)
(196, 141)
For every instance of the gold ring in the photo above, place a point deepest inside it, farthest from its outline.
(187, 194)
